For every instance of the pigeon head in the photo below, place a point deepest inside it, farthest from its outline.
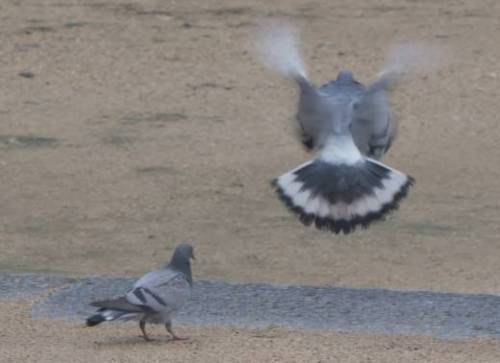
(180, 261)
(345, 76)
(183, 253)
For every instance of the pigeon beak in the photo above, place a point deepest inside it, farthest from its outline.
(192, 256)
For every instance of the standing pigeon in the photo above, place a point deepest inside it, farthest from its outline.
(155, 297)
(350, 127)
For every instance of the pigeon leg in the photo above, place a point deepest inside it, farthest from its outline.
(168, 326)
(142, 325)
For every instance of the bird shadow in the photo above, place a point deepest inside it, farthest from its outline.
(138, 341)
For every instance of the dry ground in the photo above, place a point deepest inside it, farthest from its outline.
(146, 123)
(55, 341)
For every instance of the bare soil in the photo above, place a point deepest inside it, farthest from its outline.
(43, 341)
(130, 126)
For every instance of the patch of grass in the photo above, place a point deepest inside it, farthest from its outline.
(27, 142)
(27, 46)
(118, 138)
(286, 14)
(154, 12)
(155, 170)
(241, 10)
(74, 24)
(37, 29)
(270, 331)
(210, 85)
(427, 228)
(26, 74)
(153, 118)
(33, 226)
(242, 24)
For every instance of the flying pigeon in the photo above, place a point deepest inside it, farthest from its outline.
(154, 298)
(350, 127)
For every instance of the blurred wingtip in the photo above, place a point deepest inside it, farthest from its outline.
(276, 44)
(412, 57)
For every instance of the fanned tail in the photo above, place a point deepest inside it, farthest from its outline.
(341, 197)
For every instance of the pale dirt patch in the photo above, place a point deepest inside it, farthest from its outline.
(28, 340)
(165, 129)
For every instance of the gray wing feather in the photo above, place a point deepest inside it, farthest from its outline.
(121, 303)
(156, 277)
(373, 127)
(314, 115)
(162, 290)
(278, 48)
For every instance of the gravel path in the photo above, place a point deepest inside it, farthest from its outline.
(302, 307)
(21, 286)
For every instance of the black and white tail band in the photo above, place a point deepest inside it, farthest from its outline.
(342, 196)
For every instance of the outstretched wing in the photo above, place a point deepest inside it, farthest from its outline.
(278, 48)
(373, 127)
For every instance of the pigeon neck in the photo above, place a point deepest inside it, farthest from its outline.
(182, 265)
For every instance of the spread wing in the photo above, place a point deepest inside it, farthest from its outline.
(278, 48)
(373, 128)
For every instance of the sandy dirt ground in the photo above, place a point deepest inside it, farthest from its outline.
(58, 341)
(129, 126)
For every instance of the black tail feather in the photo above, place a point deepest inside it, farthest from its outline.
(95, 320)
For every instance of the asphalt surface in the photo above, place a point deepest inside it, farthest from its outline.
(443, 315)
(21, 286)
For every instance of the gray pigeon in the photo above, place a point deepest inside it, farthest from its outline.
(154, 298)
(350, 127)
